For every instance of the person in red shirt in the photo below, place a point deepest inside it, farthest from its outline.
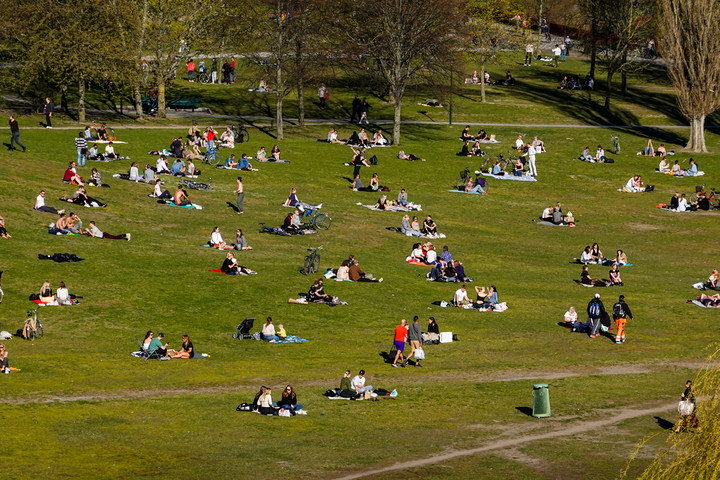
(232, 70)
(191, 70)
(401, 332)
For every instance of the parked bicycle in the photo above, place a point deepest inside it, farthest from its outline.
(33, 328)
(312, 261)
(242, 135)
(195, 185)
(212, 157)
(461, 182)
(316, 219)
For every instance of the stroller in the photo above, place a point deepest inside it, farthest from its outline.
(244, 329)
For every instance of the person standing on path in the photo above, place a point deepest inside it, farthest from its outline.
(415, 338)
(621, 312)
(48, 111)
(595, 311)
(356, 107)
(240, 195)
(364, 109)
(529, 49)
(322, 95)
(401, 332)
(563, 52)
(531, 152)
(213, 71)
(15, 134)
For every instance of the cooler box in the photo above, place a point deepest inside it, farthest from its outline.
(445, 337)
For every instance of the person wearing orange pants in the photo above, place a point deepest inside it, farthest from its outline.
(621, 312)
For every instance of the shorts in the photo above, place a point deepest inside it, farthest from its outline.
(400, 345)
(414, 344)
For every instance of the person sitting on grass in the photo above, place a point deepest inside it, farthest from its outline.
(465, 135)
(487, 297)
(3, 231)
(586, 256)
(664, 166)
(465, 151)
(570, 317)
(596, 254)
(712, 280)
(95, 232)
(402, 198)
(4, 363)
(614, 276)
(60, 227)
(358, 384)
(216, 239)
(429, 227)
(461, 298)
(94, 154)
(406, 228)
(357, 275)
(178, 168)
(635, 184)
(161, 166)
(71, 175)
(470, 188)
(661, 151)
(291, 223)
(240, 241)
(676, 170)
(585, 156)
(154, 346)
(460, 275)
(649, 151)
(382, 203)
(158, 191)
(586, 279)
(275, 154)
(415, 227)
(288, 400)
(343, 272)
(186, 350)
(518, 168)
(538, 144)
(181, 198)
(110, 151)
(231, 267)
(693, 169)
(265, 403)
(268, 331)
(620, 258)
(317, 294)
(547, 214)
(149, 174)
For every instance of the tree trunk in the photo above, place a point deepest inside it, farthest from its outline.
(300, 74)
(301, 102)
(593, 43)
(482, 83)
(278, 111)
(623, 74)
(396, 125)
(138, 103)
(608, 88)
(696, 142)
(161, 99)
(81, 100)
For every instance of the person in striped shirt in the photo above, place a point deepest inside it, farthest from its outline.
(81, 145)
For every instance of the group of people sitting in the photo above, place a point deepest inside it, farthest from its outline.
(358, 139)
(445, 267)
(412, 228)
(374, 185)
(486, 298)
(60, 297)
(675, 170)
(555, 215)
(635, 185)
(679, 203)
(574, 83)
(263, 402)
(481, 137)
(154, 347)
(474, 79)
(593, 255)
(216, 240)
(612, 280)
(101, 133)
(599, 157)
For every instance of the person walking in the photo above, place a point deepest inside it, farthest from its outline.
(81, 146)
(322, 95)
(415, 338)
(686, 408)
(364, 109)
(556, 53)
(621, 312)
(240, 195)
(356, 106)
(531, 152)
(15, 134)
(529, 49)
(401, 332)
(48, 111)
(595, 311)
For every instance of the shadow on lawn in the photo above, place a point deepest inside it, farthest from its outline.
(526, 410)
(664, 424)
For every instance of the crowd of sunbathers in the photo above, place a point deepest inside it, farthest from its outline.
(360, 139)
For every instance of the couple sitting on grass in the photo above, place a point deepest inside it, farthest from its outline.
(264, 405)
(242, 164)
(216, 241)
(60, 297)
(349, 270)
(635, 185)
(154, 346)
(612, 280)
(230, 266)
(351, 387)
(487, 298)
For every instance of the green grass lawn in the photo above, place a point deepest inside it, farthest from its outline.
(112, 415)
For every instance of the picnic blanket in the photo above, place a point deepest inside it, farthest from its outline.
(551, 224)
(668, 209)
(251, 272)
(198, 356)
(302, 300)
(523, 178)
(699, 304)
(289, 339)
(467, 193)
(273, 161)
(411, 207)
(55, 304)
(606, 263)
(499, 307)
(702, 286)
(64, 234)
(106, 141)
(698, 174)
(172, 204)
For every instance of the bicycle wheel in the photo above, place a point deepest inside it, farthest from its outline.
(315, 262)
(205, 78)
(321, 221)
(31, 334)
(39, 332)
(307, 266)
(242, 135)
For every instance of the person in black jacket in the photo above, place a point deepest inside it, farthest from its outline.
(14, 134)
(621, 312)
(595, 311)
(356, 109)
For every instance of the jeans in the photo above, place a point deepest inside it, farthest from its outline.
(191, 75)
(213, 76)
(477, 189)
(15, 138)
(562, 55)
(532, 168)
(366, 388)
(594, 325)
(80, 158)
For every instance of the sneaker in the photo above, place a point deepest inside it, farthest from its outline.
(7, 371)
(319, 206)
(380, 281)
(128, 236)
(394, 365)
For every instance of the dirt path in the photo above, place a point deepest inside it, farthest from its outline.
(500, 376)
(505, 443)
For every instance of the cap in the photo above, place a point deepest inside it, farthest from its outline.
(597, 295)
(361, 372)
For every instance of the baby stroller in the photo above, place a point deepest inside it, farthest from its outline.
(244, 329)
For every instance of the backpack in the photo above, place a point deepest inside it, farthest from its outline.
(618, 310)
(373, 160)
(594, 310)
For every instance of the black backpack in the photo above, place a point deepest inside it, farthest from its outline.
(618, 310)
(373, 160)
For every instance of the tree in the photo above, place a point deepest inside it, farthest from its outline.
(625, 22)
(691, 47)
(408, 39)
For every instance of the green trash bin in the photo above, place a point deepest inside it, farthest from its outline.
(541, 400)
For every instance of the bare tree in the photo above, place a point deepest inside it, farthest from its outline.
(691, 47)
(408, 39)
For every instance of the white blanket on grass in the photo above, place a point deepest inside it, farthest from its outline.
(523, 178)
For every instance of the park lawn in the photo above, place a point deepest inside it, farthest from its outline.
(160, 281)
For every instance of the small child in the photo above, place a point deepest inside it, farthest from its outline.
(281, 331)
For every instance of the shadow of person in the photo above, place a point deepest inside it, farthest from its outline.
(664, 424)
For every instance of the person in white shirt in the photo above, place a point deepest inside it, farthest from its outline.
(682, 204)
(461, 297)
(571, 316)
(161, 165)
(216, 239)
(62, 295)
(268, 330)
(600, 154)
(358, 383)
(519, 142)
(135, 173)
(547, 214)
(531, 159)
(110, 151)
(529, 49)
(556, 52)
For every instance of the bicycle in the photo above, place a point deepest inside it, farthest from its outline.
(212, 157)
(242, 135)
(33, 328)
(616, 143)
(312, 261)
(314, 218)
(195, 185)
(205, 77)
(461, 182)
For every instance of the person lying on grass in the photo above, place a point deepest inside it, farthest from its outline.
(94, 231)
(586, 279)
(294, 201)
(231, 267)
(317, 294)
(712, 301)
(408, 156)
(186, 350)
